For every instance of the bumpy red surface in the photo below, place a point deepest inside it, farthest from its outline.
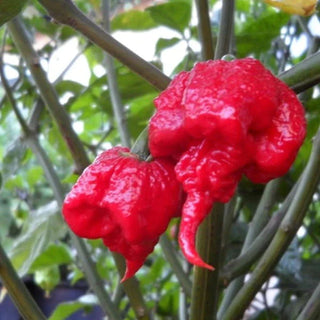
(126, 202)
(219, 121)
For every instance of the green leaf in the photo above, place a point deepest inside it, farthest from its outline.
(9, 9)
(256, 35)
(43, 227)
(169, 302)
(75, 275)
(131, 85)
(13, 158)
(155, 273)
(140, 112)
(15, 182)
(133, 20)
(55, 254)
(243, 5)
(47, 278)
(175, 15)
(42, 25)
(64, 310)
(72, 178)
(34, 175)
(56, 144)
(163, 43)
(69, 86)
(94, 121)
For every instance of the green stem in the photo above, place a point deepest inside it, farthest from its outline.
(303, 75)
(65, 12)
(311, 310)
(171, 257)
(19, 294)
(117, 105)
(118, 294)
(229, 211)
(93, 278)
(131, 287)
(38, 108)
(183, 306)
(242, 264)
(140, 146)
(225, 29)
(258, 222)
(48, 94)
(282, 239)
(204, 29)
(262, 214)
(205, 295)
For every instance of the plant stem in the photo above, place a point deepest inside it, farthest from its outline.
(175, 264)
(131, 287)
(311, 310)
(48, 94)
(65, 12)
(117, 105)
(262, 214)
(140, 146)
(242, 264)
(93, 278)
(183, 314)
(303, 75)
(282, 239)
(258, 222)
(229, 210)
(205, 287)
(19, 294)
(225, 29)
(204, 29)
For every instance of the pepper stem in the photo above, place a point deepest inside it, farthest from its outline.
(205, 290)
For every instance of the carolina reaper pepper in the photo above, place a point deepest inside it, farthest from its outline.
(125, 201)
(219, 121)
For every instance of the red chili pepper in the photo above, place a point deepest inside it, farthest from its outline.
(219, 121)
(126, 202)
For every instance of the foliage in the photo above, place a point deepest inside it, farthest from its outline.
(32, 231)
(9, 9)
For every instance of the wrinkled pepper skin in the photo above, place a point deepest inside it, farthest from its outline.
(126, 202)
(219, 121)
